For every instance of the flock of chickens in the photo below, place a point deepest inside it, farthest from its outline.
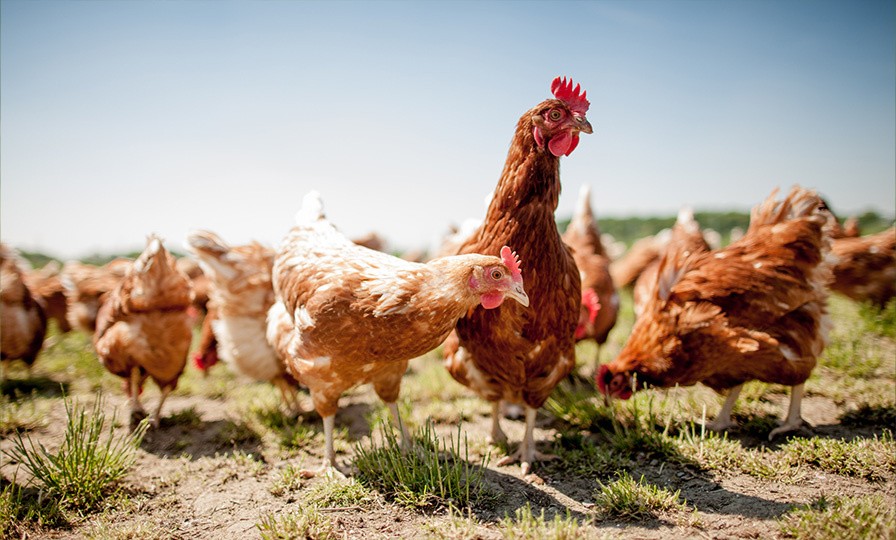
(508, 304)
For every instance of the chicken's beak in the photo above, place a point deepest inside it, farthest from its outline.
(518, 294)
(583, 125)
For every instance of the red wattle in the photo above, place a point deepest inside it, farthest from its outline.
(575, 142)
(561, 144)
(491, 300)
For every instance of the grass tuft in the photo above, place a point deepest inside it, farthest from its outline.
(873, 459)
(846, 518)
(630, 499)
(88, 464)
(340, 494)
(432, 470)
(305, 522)
(524, 525)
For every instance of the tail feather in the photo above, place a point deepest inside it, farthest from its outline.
(799, 203)
(312, 209)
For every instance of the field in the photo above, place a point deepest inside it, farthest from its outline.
(225, 461)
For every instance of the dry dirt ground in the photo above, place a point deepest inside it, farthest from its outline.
(209, 472)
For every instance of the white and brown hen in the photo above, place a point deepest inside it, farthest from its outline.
(347, 315)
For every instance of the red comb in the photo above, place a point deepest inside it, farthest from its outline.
(512, 262)
(563, 90)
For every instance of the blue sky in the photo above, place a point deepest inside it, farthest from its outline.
(118, 119)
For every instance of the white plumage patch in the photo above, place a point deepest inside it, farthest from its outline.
(789, 353)
(303, 319)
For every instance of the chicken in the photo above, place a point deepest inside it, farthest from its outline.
(143, 328)
(242, 294)
(348, 315)
(511, 354)
(686, 238)
(755, 310)
(626, 269)
(600, 300)
(206, 354)
(865, 267)
(46, 284)
(23, 323)
(85, 284)
(200, 283)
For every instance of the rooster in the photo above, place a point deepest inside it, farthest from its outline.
(686, 238)
(242, 294)
(600, 301)
(866, 267)
(511, 354)
(755, 310)
(348, 315)
(23, 322)
(143, 328)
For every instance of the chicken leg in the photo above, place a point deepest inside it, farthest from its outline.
(526, 454)
(794, 420)
(723, 419)
(498, 435)
(156, 418)
(134, 384)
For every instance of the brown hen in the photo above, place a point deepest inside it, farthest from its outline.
(755, 310)
(865, 267)
(143, 328)
(23, 322)
(513, 354)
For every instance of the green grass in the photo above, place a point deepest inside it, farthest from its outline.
(525, 525)
(339, 494)
(23, 414)
(88, 464)
(289, 479)
(432, 471)
(630, 499)
(457, 525)
(307, 523)
(879, 321)
(873, 459)
(844, 518)
(21, 507)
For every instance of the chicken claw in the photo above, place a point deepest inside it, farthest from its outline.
(526, 454)
(794, 420)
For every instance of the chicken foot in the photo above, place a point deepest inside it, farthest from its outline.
(723, 420)
(329, 468)
(526, 454)
(794, 420)
(135, 382)
(156, 418)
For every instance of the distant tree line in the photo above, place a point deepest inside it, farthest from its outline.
(626, 230)
(630, 229)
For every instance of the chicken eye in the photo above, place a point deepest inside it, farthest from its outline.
(555, 115)
(497, 274)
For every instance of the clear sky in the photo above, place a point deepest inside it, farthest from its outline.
(121, 118)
